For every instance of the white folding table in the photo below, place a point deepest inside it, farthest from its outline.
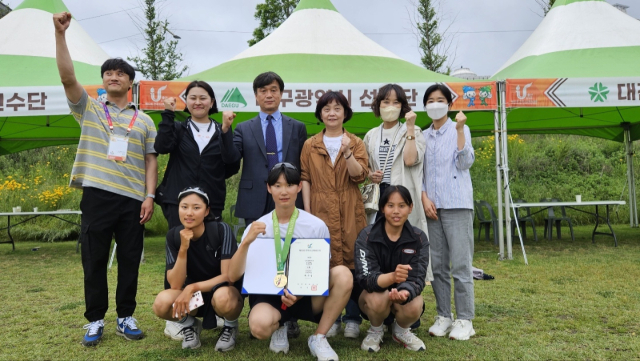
(32, 215)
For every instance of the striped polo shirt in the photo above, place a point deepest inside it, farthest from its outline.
(446, 169)
(91, 167)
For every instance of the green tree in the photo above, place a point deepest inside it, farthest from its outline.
(431, 41)
(4, 10)
(160, 59)
(546, 5)
(271, 14)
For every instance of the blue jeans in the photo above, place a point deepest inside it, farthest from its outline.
(352, 313)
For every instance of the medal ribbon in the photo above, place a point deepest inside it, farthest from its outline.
(283, 250)
(133, 119)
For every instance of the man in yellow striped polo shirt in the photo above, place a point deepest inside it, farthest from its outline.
(116, 167)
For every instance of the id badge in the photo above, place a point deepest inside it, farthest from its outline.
(118, 148)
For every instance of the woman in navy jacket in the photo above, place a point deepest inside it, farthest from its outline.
(198, 151)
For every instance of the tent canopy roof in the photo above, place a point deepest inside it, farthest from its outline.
(316, 44)
(51, 6)
(578, 38)
(28, 49)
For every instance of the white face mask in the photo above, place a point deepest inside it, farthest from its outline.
(436, 110)
(390, 113)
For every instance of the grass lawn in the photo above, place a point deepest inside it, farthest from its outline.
(575, 300)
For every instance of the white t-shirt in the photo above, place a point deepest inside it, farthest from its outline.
(387, 146)
(333, 145)
(202, 136)
(307, 226)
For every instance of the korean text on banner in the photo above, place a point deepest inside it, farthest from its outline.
(303, 97)
(573, 92)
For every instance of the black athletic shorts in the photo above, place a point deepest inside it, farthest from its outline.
(355, 295)
(301, 310)
(207, 312)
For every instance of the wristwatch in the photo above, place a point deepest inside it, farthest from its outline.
(152, 196)
(410, 137)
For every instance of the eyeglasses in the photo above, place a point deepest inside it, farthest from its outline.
(194, 190)
(284, 165)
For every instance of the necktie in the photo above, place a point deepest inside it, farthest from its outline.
(271, 143)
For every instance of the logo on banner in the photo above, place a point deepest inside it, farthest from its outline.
(233, 99)
(598, 92)
(524, 94)
(157, 98)
(524, 91)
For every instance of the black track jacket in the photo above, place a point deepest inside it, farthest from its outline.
(374, 257)
(187, 167)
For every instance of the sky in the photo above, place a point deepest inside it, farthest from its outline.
(480, 34)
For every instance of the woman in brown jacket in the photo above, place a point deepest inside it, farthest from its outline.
(333, 163)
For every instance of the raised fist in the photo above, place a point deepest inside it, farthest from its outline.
(170, 104)
(410, 119)
(227, 119)
(461, 119)
(61, 21)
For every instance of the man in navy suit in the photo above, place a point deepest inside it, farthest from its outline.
(262, 142)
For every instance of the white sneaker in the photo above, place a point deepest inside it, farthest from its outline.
(441, 326)
(191, 334)
(407, 339)
(351, 330)
(279, 341)
(333, 331)
(372, 341)
(320, 348)
(172, 330)
(227, 340)
(462, 330)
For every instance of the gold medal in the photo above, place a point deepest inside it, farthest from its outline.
(280, 280)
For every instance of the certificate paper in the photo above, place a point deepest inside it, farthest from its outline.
(261, 269)
(309, 267)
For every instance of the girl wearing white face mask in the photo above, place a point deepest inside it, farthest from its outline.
(396, 149)
(447, 199)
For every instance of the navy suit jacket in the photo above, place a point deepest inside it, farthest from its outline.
(249, 142)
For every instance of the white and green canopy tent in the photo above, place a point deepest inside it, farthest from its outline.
(578, 73)
(33, 107)
(315, 50)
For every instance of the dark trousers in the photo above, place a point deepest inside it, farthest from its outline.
(103, 215)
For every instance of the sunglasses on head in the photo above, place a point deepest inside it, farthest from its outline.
(284, 165)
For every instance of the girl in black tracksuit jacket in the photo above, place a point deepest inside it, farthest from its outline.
(374, 257)
(391, 260)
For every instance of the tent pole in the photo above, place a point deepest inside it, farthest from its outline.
(136, 91)
(496, 124)
(633, 207)
(505, 169)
